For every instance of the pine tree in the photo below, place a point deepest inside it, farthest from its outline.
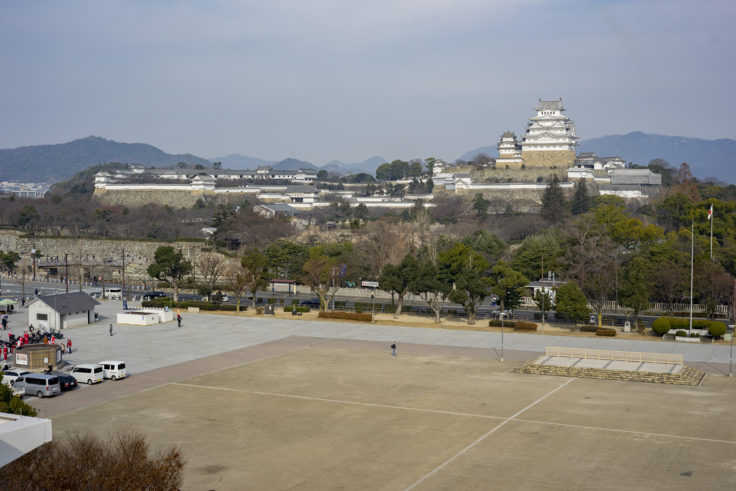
(580, 200)
(553, 201)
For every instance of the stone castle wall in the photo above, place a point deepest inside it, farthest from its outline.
(98, 257)
(548, 158)
(172, 198)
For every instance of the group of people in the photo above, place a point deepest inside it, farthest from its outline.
(25, 339)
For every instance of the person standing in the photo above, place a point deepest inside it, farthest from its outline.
(5, 353)
(178, 319)
(110, 329)
(69, 345)
(393, 349)
(5, 322)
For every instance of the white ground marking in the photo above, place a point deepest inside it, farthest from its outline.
(489, 433)
(631, 432)
(355, 403)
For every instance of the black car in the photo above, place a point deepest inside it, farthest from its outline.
(312, 303)
(66, 381)
(152, 295)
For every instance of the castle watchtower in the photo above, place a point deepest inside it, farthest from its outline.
(550, 138)
(509, 151)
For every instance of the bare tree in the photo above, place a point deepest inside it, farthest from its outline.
(211, 267)
(122, 461)
(235, 282)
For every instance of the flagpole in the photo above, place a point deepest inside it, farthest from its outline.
(711, 232)
(692, 254)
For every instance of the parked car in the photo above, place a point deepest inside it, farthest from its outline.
(10, 376)
(506, 314)
(66, 381)
(89, 373)
(152, 295)
(113, 369)
(312, 303)
(38, 384)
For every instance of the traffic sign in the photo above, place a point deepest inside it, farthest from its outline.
(369, 284)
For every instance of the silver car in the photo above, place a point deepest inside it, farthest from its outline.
(38, 384)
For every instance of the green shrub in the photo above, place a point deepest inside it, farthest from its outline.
(717, 329)
(271, 301)
(661, 325)
(160, 303)
(694, 335)
(588, 328)
(298, 308)
(295, 302)
(353, 316)
(605, 331)
(681, 334)
(339, 304)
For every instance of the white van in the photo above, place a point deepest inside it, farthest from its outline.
(113, 369)
(114, 293)
(39, 385)
(88, 373)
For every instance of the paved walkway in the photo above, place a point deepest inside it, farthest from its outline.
(204, 335)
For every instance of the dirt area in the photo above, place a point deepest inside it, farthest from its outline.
(334, 418)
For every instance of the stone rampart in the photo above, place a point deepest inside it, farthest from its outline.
(548, 158)
(173, 198)
(96, 257)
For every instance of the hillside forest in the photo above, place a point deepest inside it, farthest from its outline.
(603, 247)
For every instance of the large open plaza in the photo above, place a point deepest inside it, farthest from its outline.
(279, 404)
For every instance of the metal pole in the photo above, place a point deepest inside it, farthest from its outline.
(542, 292)
(692, 254)
(373, 314)
(66, 271)
(125, 297)
(730, 356)
(502, 316)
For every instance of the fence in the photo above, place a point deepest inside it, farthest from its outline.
(600, 354)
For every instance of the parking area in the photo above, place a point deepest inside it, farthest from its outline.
(301, 414)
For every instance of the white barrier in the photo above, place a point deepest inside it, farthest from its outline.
(603, 354)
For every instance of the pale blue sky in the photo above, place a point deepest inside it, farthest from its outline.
(342, 79)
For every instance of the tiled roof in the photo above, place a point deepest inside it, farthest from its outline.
(65, 303)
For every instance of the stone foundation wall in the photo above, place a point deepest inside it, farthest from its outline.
(563, 158)
(172, 198)
(687, 376)
(97, 257)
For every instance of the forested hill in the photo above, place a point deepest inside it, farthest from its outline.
(706, 158)
(53, 163)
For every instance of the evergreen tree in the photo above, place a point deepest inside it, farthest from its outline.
(553, 201)
(581, 200)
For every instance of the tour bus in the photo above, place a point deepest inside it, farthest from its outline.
(113, 369)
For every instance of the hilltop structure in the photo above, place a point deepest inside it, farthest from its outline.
(549, 140)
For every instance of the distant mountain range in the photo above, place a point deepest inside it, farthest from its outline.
(706, 158)
(53, 163)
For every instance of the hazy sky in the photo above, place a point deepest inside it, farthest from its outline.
(340, 79)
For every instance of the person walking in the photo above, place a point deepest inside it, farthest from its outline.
(5, 322)
(5, 353)
(178, 319)
(393, 349)
(110, 329)
(69, 345)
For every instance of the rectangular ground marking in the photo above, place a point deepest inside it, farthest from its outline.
(489, 433)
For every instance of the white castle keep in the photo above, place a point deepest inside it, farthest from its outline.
(549, 140)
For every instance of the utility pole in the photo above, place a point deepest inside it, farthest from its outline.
(542, 281)
(33, 256)
(66, 271)
(125, 296)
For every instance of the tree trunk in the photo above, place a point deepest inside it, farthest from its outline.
(399, 306)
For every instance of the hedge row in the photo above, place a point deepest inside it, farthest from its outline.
(663, 325)
(298, 308)
(605, 331)
(353, 316)
(516, 325)
(588, 328)
(192, 303)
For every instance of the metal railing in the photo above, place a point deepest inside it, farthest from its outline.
(604, 354)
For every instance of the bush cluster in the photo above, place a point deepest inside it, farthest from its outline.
(605, 331)
(588, 328)
(353, 316)
(525, 326)
(298, 308)
(681, 334)
(516, 325)
(160, 303)
(663, 324)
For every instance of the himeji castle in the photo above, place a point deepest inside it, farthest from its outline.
(549, 140)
